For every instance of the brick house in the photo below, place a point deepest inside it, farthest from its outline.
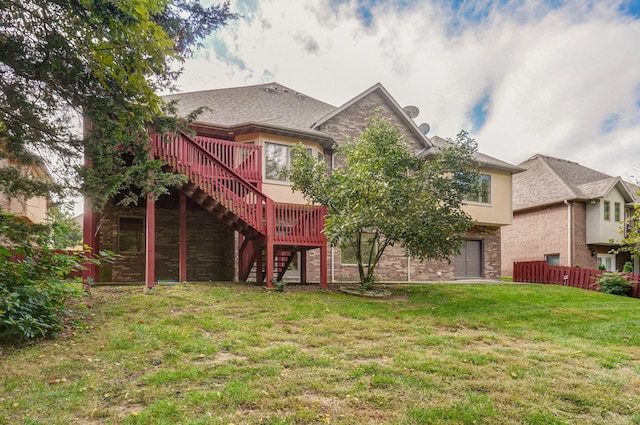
(210, 228)
(568, 215)
(34, 209)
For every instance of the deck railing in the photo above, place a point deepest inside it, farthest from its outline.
(541, 272)
(244, 159)
(225, 171)
(299, 224)
(213, 176)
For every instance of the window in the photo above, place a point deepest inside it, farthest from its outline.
(616, 211)
(131, 234)
(607, 210)
(483, 195)
(278, 161)
(348, 253)
(608, 261)
(552, 259)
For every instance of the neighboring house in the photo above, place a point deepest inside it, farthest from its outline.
(35, 209)
(568, 215)
(211, 229)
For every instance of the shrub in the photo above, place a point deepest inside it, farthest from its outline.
(35, 290)
(614, 283)
(628, 267)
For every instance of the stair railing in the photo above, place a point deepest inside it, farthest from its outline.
(213, 176)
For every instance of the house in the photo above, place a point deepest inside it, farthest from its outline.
(237, 217)
(567, 214)
(35, 209)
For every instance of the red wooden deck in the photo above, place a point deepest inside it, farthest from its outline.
(226, 178)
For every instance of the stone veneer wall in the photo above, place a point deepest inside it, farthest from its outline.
(394, 266)
(210, 247)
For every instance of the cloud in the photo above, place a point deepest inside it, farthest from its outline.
(558, 77)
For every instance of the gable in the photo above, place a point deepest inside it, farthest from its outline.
(350, 121)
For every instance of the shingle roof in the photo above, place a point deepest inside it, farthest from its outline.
(270, 104)
(486, 160)
(549, 180)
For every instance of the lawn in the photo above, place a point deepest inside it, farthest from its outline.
(239, 354)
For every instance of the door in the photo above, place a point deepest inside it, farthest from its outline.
(469, 263)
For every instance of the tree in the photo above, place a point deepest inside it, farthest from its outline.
(383, 195)
(66, 231)
(103, 60)
(631, 242)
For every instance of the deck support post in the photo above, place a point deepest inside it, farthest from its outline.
(271, 230)
(90, 238)
(183, 238)
(150, 251)
(303, 266)
(259, 264)
(323, 266)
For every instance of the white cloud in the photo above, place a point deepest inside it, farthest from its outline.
(563, 81)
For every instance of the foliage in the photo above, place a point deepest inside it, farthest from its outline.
(631, 242)
(66, 230)
(614, 283)
(383, 195)
(35, 282)
(102, 60)
(628, 267)
(34, 292)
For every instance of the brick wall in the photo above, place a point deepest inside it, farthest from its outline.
(210, 246)
(533, 234)
(581, 251)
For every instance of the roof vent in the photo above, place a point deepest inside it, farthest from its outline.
(424, 127)
(411, 111)
(271, 89)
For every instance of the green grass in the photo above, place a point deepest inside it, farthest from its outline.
(238, 354)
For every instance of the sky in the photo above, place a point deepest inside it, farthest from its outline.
(555, 77)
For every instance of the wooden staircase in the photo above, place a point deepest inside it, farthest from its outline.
(225, 178)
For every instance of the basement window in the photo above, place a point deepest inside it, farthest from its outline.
(131, 237)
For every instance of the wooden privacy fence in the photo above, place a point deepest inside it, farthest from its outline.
(541, 272)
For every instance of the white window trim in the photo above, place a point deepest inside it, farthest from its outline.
(315, 152)
(609, 256)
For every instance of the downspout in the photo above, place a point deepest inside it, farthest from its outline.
(569, 232)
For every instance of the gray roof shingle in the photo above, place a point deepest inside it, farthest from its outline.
(270, 104)
(549, 180)
(486, 160)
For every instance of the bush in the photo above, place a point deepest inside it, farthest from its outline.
(34, 290)
(614, 283)
(628, 267)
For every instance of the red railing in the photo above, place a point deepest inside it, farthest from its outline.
(242, 158)
(213, 176)
(297, 224)
(541, 272)
(207, 163)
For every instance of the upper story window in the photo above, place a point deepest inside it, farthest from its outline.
(483, 195)
(616, 211)
(607, 210)
(278, 161)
